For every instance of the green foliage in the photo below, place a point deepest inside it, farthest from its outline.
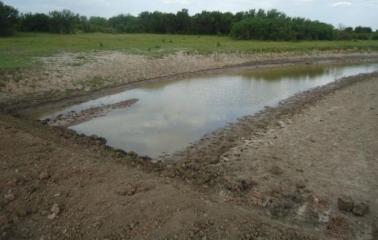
(124, 24)
(212, 23)
(38, 22)
(8, 19)
(249, 25)
(273, 25)
(358, 33)
(361, 29)
(63, 21)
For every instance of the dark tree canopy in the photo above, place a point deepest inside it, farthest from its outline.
(38, 22)
(8, 19)
(63, 21)
(253, 24)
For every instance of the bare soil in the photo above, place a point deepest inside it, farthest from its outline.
(69, 77)
(280, 174)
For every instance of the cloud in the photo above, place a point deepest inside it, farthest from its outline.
(341, 3)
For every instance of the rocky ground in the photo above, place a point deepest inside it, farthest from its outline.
(304, 170)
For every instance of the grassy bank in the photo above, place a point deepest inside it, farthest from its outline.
(20, 50)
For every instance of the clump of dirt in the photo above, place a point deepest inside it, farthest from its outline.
(73, 118)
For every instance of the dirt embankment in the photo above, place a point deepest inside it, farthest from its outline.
(74, 74)
(75, 117)
(299, 160)
(281, 174)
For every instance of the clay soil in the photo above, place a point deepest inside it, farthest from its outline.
(275, 175)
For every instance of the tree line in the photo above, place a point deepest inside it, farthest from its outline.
(253, 24)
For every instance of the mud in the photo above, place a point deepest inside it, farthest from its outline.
(275, 175)
(72, 118)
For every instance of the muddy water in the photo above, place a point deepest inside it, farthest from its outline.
(170, 115)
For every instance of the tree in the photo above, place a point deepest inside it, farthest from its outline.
(99, 24)
(273, 25)
(63, 21)
(8, 19)
(125, 23)
(183, 21)
(38, 22)
(361, 29)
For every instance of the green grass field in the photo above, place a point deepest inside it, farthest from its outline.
(21, 50)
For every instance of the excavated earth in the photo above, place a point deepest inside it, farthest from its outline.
(306, 169)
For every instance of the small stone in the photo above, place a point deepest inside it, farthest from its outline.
(9, 197)
(345, 203)
(129, 190)
(360, 209)
(52, 216)
(44, 175)
(281, 124)
(55, 210)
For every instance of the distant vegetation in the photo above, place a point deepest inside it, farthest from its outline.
(8, 19)
(257, 25)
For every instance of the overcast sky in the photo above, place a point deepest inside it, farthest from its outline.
(346, 12)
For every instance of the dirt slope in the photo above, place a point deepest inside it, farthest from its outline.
(97, 196)
(278, 180)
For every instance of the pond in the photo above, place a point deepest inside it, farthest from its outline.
(171, 114)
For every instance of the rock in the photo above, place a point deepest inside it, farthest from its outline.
(55, 210)
(345, 203)
(281, 124)
(360, 209)
(44, 175)
(52, 216)
(9, 197)
(129, 190)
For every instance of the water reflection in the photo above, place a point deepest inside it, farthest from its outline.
(169, 115)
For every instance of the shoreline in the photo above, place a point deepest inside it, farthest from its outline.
(34, 105)
(276, 174)
(208, 151)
